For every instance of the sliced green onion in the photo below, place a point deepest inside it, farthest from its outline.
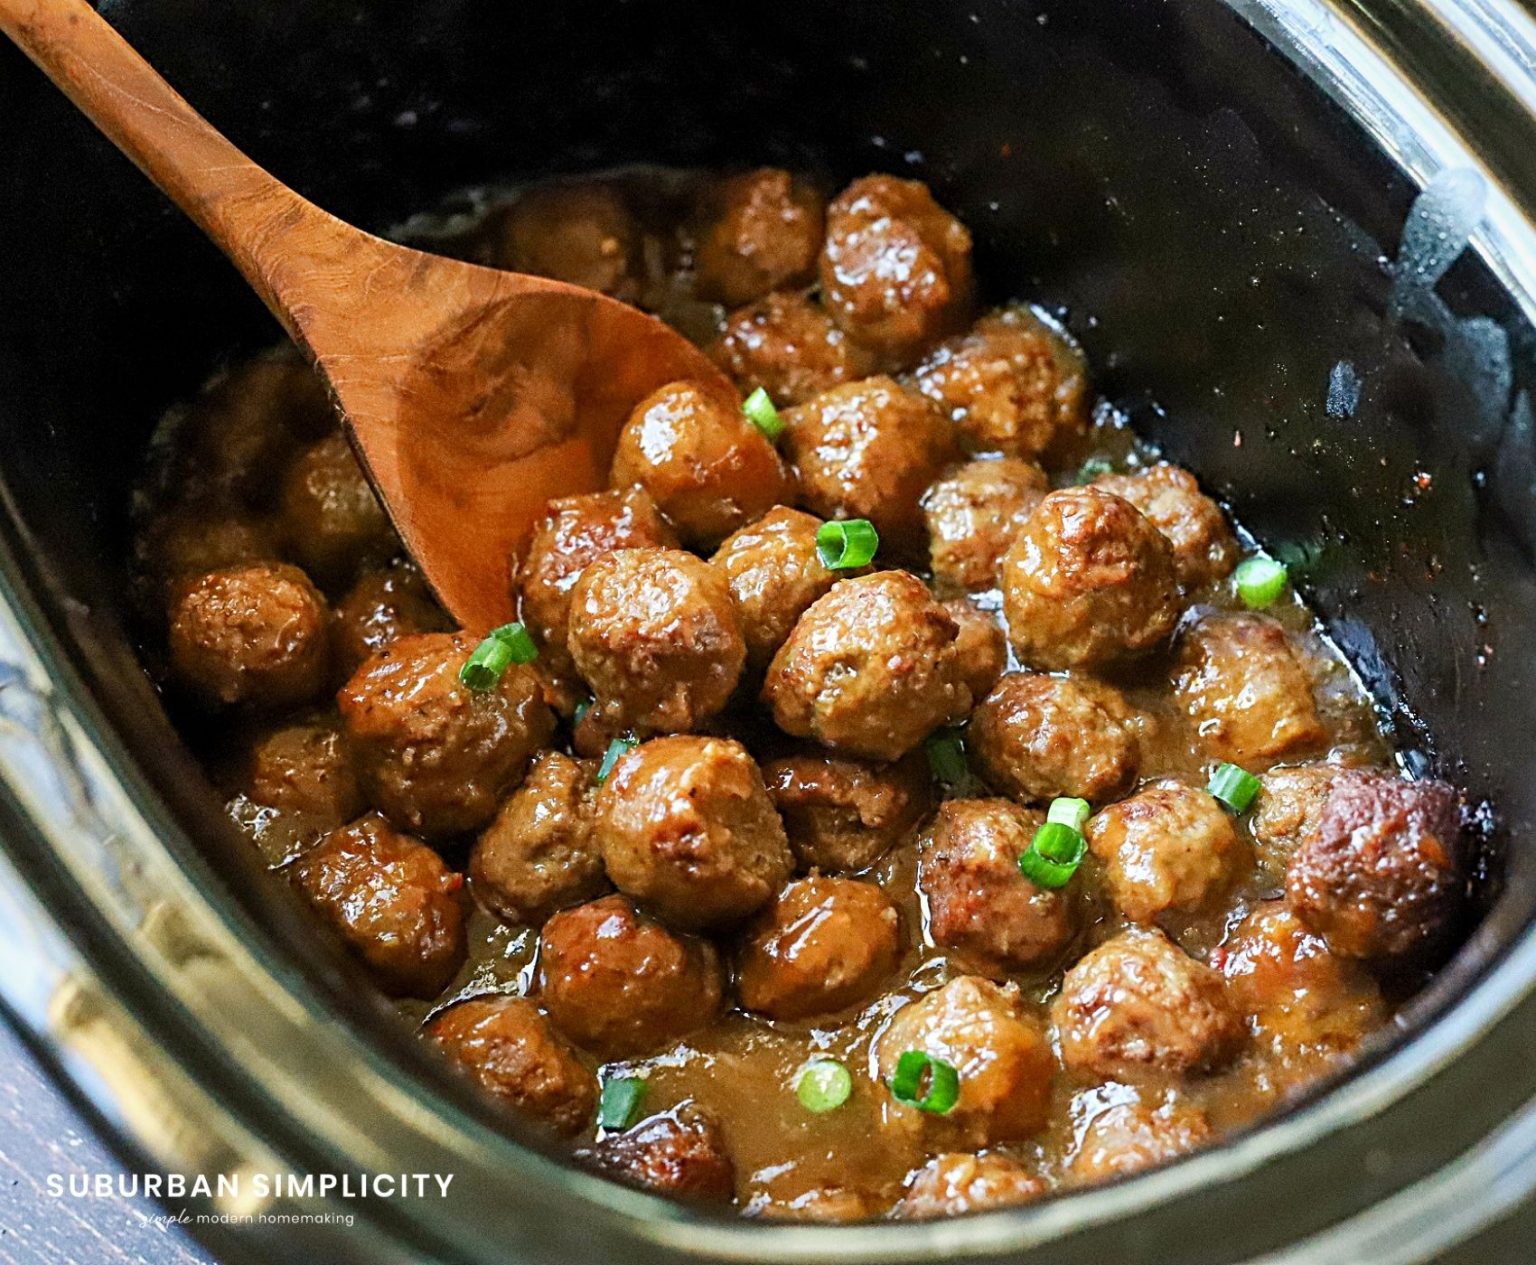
(582, 708)
(946, 758)
(1234, 786)
(618, 1106)
(1260, 582)
(616, 752)
(823, 1086)
(916, 1066)
(1053, 855)
(844, 544)
(761, 413)
(489, 661)
(1069, 812)
(1094, 468)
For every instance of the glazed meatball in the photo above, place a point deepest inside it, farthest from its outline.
(1288, 809)
(433, 755)
(680, 1153)
(511, 1050)
(331, 521)
(896, 268)
(788, 345)
(1039, 737)
(537, 855)
(583, 234)
(869, 449)
(1383, 877)
(979, 644)
(1011, 385)
(188, 542)
(1139, 1004)
(621, 984)
(1087, 581)
(956, 1183)
(1129, 1135)
(871, 668)
(822, 945)
(301, 774)
(576, 531)
(686, 826)
(826, 1205)
(1168, 849)
(762, 232)
(973, 514)
(1001, 1053)
(1241, 682)
(1204, 549)
(655, 633)
(979, 903)
(254, 636)
(394, 902)
(378, 610)
(842, 814)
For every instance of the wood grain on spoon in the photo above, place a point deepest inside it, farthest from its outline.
(472, 395)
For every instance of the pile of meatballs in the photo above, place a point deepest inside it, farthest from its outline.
(713, 794)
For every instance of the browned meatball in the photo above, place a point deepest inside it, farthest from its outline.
(1038, 737)
(843, 814)
(1288, 810)
(871, 668)
(896, 268)
(378, 610)
(1204, 549)
(620, 983)
(511, 1050)
(1139, 1004)
(255, 635)
(705, 465)
(1001, 1053)
(979, 903)
(537, 855)
(680, 1153)
(788, 345)
(331, 521)
(1169, 849)
(1012, 384)
(1383, 877)
(1087, 581)
(1241, 682)
(392, 900)
(822, 945)
(869, 449)
(980, 645)
(1129, 1135)
(973, 514)
(189, 541)
(762, 232)
(297, 783)
(827, 1205)
(654, 632)
(576, 531)
(686, 826)
(956, 1183)
(581, 233)
(432, 754)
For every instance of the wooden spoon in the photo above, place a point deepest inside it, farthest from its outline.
(471, 395)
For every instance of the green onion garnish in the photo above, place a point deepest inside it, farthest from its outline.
(616, 751)
(823, 1086)
(582, 708)
(1260, 582)
(1069, 812)
(844, 544)
(912, 1069)
(761, 413)
(946, 758)
(1234, 786)
(502, 647)
(1094, 468)
(618, 1105)
(1053, 855)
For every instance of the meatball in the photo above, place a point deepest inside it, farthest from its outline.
(255, 635)
(869, 449)
(1204, 549)
(979, 903)
(394, 902)
(762, 231)
(980, 645)
(301, 775)
(1087, 581)
(822, 945)
(1383, 877)
(871, 668)
(1039, 737)
(788, 345)
(654, 632)
(1246, 690)
(1011, 385)
(576, 531)
(827, 1205)
(583, 234)
(1137, 1004)
(896, 268)
(686, 826)
(1169, 849)
(1296, 995)
(434, 755)
(1001, 1054)
(331, 521)
(188, 542)
(621, 984)
(378, 610)
(957, 1183)
(1288, 810)
(973, 514)
(511, 1050)
(843, 814)
(537, 855)
(680, 1153)
(1129, 1135)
